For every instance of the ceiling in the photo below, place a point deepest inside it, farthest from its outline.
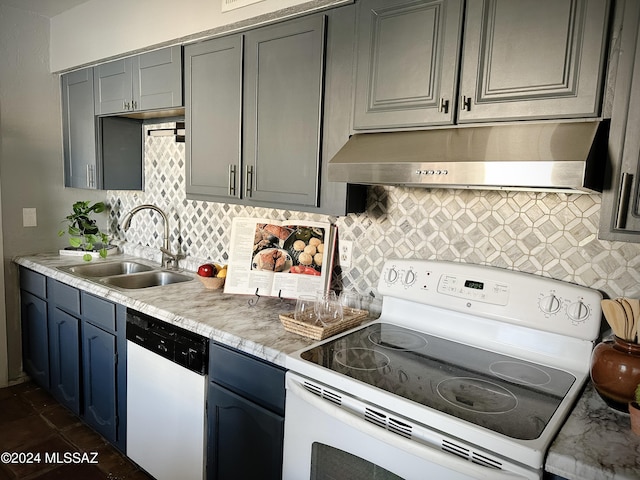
(46, 8)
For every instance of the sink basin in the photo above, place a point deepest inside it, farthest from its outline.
(107, 269)
(154, 278)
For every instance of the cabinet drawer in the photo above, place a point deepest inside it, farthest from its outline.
(101, 313)
(64, 296)
(33, 282)
(248, 376)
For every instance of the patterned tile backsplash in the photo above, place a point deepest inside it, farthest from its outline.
(548, 234)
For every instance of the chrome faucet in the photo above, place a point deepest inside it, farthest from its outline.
(169, 260)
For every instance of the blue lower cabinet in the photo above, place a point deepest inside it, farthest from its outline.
(99, 380)
(74, 346)
(245, 440)
(64, 358)
(35, 338)
(245, 416)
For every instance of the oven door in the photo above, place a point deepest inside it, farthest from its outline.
(325, 441)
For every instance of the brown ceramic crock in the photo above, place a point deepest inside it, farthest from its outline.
(615, 371)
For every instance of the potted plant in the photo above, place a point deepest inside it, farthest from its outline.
(84, 234)
(634, 411)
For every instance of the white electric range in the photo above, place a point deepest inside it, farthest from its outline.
(468, 373)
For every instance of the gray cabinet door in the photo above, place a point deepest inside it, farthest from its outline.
(157, 79)
(284, 66)
(620, 210)
(532, 59)
(213, 109)
(407, 62)
(148, 81)
(79, 130)
(113, 92)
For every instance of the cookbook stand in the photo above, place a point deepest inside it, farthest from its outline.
(253, 301)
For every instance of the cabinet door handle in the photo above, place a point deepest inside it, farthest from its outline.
(466, 103)
(623, 200)
(232, 180)
(444, 106)
(134, 105)
(91, 176)
(126, 106)
(249, 181)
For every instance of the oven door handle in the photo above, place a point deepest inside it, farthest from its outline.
(418, 449)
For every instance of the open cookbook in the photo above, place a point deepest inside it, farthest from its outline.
(279, 259)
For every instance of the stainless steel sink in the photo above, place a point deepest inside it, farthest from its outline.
(108, 269)
(154, 278)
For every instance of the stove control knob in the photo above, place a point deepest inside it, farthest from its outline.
(392, 275)
(409, 278)
(578, 311)
(550, 304)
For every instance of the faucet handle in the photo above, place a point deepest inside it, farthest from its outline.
(170, 258)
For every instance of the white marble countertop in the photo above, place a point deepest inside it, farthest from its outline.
(595, 443)
(225, 318)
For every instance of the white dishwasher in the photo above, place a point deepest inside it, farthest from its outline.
(166, 384)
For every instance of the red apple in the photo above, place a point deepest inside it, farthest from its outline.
(207, 270)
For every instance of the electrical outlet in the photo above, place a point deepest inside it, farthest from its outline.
(345, 248)
(29, 218)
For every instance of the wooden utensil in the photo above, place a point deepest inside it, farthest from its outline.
(630, 328)
(616, 317)
(635, 307)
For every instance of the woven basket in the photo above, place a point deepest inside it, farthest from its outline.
(351, 318)
(212, 283)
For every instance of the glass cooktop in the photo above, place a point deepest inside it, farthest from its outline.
(507, 395)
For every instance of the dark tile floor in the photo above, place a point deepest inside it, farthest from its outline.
(33, 424)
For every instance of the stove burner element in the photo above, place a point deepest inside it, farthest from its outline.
(398, 340)
(520, 373)
(477, 395)
(361, 359)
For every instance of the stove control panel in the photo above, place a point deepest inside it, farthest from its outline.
(474, 288)
(510, 296)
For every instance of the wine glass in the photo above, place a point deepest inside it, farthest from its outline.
(351, 300)
(305, 309)
(328, 308)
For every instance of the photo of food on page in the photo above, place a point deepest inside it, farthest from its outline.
(292, 249)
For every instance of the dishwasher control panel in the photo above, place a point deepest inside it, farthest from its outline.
(187, 349)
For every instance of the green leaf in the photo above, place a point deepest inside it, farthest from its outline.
(98, 207)
(75, 242)
(103, 253)
(87, 257)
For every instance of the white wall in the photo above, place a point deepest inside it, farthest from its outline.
(31, 167)
(98, 30)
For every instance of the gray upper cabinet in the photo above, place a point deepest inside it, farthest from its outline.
(99, 153)
(254, 113)
(407, 62)
(620, 209)
(79, 130)
(284, 66)
(532, 59)
(213, 112)
(148, 81)
(525, 59)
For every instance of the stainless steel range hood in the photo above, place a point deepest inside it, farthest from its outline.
(553, 156)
